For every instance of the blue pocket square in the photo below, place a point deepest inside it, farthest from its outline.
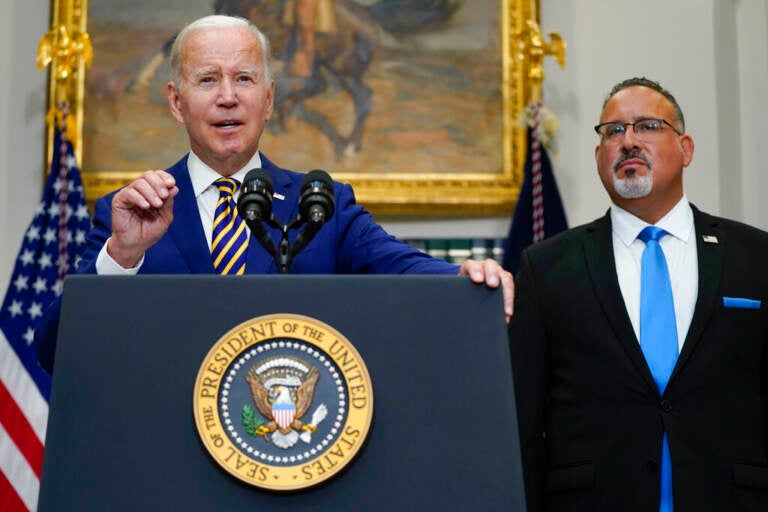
(739, 302)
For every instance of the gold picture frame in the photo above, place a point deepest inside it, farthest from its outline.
(474, 191)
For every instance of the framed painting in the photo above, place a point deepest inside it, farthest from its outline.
(421, 121)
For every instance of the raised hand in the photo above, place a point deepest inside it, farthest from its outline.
(141, 214)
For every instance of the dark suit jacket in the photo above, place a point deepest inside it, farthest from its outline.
(591, 418)
(349, 243)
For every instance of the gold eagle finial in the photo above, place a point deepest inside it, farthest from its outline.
(533, 48)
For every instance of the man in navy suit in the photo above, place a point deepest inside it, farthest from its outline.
(599, 428)
(222, 91)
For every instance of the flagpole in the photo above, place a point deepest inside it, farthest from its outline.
(528, 220)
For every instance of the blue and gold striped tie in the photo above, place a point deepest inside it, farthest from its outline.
(230, 236)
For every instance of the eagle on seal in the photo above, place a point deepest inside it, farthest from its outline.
(284, 411)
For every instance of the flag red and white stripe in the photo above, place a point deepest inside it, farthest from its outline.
(23, 419)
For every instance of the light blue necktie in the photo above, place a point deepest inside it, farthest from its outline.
(658, 334)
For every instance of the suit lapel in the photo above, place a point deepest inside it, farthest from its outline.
(186, 230)
(710, 257)
(287, 207)
(601, 264)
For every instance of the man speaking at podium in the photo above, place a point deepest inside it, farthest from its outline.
(182, 220)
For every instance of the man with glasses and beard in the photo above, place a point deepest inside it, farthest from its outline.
(640, 341)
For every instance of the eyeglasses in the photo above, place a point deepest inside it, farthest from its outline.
(646, 130)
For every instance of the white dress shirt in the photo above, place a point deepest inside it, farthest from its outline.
(679, 248)
(206, 194)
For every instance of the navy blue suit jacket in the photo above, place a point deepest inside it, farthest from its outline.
(349, 243)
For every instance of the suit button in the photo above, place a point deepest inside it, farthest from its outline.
(665, 405)
(652, 465)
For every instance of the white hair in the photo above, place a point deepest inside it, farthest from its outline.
(218, 21)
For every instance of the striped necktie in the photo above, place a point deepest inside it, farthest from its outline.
(658, 334)
(230, 236)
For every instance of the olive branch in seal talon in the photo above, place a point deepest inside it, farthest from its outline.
(253, 425)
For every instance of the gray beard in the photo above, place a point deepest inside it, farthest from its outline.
(634, 187)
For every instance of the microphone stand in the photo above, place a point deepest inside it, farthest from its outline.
(284, 257)
(284, 252)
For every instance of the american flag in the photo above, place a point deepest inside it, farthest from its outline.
(49, 250)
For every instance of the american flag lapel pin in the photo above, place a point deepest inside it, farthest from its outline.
(710, 239)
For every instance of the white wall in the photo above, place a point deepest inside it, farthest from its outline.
(712, 55)
(23, 97)
(752, 43)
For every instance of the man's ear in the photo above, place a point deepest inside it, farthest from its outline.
(687, 146)
(174, 102)
(271, 101)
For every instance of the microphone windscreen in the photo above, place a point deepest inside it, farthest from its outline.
(255, 201)
(316, 204)
(258, 175)
(317, 175)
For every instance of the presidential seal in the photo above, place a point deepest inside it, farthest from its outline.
(283, 402)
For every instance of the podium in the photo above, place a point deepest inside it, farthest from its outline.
(121, 432)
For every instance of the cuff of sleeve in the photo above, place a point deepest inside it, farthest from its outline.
(105, 265)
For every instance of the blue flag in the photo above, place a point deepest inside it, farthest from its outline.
(48, 252)
(550, 218)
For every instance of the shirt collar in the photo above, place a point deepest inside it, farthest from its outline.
(678, 222)
(203, 176)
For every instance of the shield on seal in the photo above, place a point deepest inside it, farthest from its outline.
(283, 414)
(283, 409)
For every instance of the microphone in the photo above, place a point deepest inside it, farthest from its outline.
(255, 206)
(255, 201)
(316, 203)
(316, 206)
